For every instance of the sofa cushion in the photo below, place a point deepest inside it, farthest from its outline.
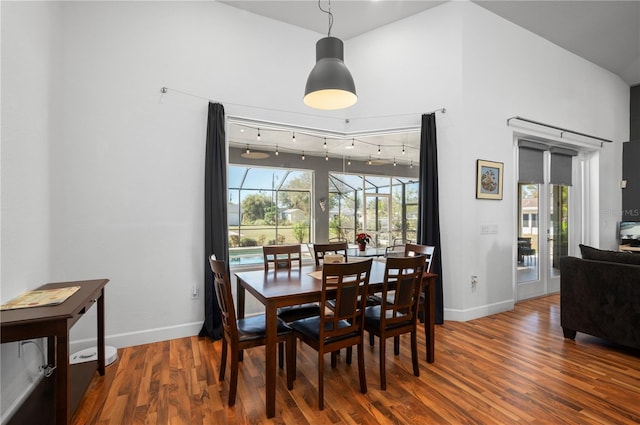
(590, 253)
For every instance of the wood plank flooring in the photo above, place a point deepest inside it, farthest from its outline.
(509, 368)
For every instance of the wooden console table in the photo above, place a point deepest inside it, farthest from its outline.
(54, 322)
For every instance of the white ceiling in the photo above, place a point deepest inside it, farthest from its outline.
(606, 33)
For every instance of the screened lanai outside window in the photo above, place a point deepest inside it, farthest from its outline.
(385, 207)
(267, 206)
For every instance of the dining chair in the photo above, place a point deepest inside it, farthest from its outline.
(281, 256)
(341, 326)
(319, 250)
(410, 250)
(278, 257)
(397, 313)
(240, 334)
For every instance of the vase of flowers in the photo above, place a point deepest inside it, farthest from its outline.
(362, 239)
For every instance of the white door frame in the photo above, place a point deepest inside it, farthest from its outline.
(583, 201)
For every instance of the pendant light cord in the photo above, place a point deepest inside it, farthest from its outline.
(330, 16)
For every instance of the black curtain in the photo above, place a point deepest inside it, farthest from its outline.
(215, 215)
(428, 209)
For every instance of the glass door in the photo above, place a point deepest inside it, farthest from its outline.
(528, 251)
(558, 233)
(377, 218)
(543, 229)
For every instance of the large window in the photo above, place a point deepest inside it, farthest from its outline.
(385, 207)
(266, 206)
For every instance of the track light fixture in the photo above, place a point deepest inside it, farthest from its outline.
(330, 85)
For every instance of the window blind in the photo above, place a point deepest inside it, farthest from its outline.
(530, 164)
(561, 171)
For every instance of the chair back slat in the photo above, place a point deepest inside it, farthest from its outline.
(281, 256)
(347, 284)
(319, 250)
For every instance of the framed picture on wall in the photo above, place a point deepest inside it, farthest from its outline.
(489, 179)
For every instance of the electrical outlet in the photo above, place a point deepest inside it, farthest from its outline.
(474, 281)
(195, 292)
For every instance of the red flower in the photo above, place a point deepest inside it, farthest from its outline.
(363, 238)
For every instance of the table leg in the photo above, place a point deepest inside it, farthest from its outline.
(62, 375)
(101, 347)
(270, 358)
(429, 318)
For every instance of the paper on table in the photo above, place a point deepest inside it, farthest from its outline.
(40, 298)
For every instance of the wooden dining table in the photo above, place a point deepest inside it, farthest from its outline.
(284, 287)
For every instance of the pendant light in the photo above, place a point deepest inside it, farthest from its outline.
(330, 85)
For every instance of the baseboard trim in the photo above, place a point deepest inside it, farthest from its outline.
(477, 312)
(147, 336)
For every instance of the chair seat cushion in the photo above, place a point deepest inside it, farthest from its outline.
(310, 327)
(297, 312)
(372, 317)
(254, 327)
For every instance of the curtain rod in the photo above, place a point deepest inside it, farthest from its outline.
(562, 130)
(164, 90)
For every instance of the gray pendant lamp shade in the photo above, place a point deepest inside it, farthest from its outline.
(330, 84)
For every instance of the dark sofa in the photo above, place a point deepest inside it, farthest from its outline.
(600, 296)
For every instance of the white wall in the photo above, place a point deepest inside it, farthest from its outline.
(126, 162)
(511, 72)
(483, 70)
(128, 165)
(29, 47)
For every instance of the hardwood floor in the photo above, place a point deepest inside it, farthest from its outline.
(513, 367)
